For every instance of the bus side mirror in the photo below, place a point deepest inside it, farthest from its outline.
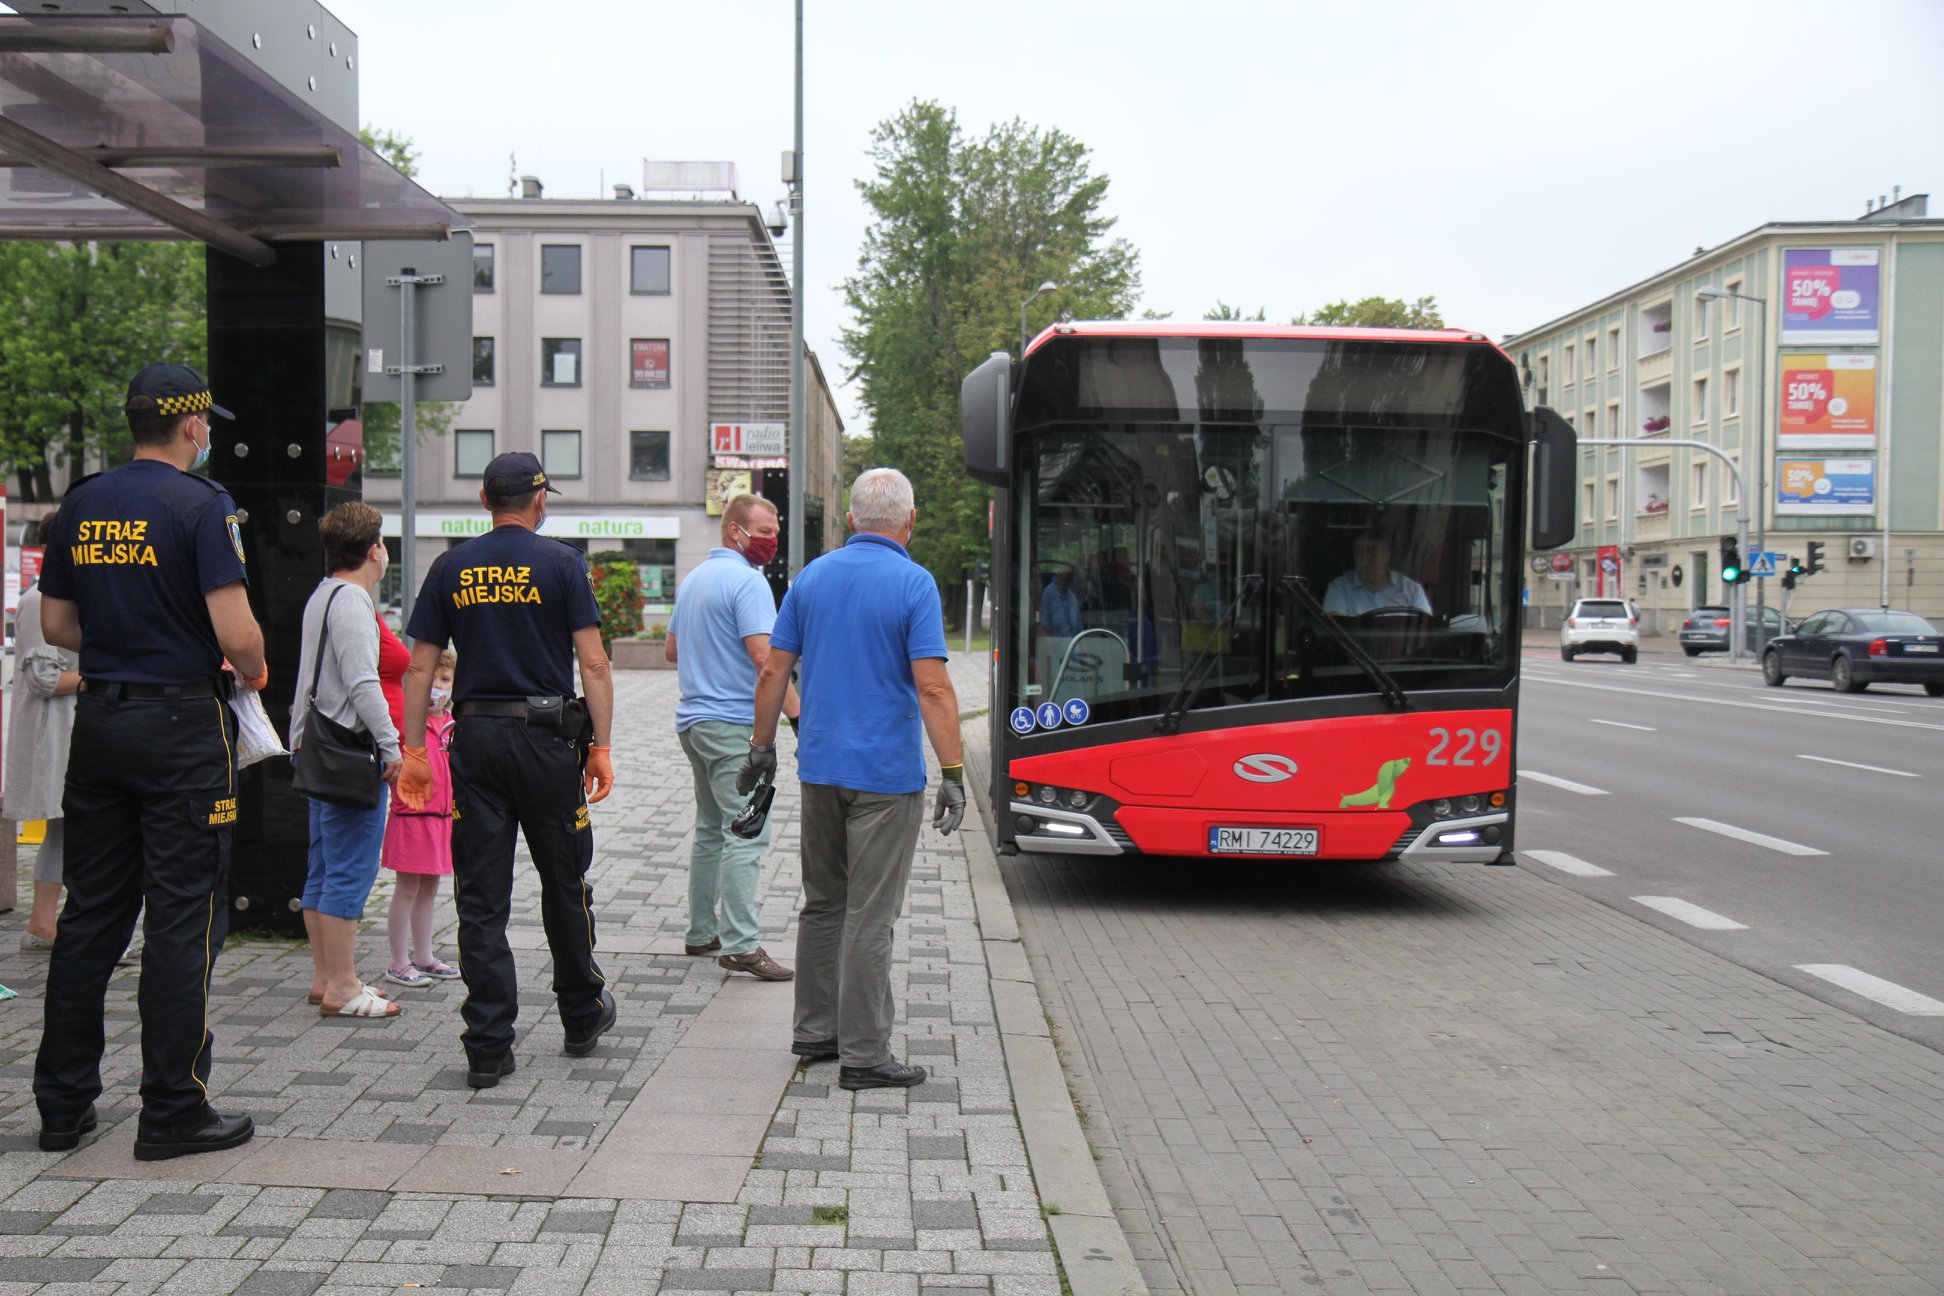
(985, 420)
(1555, 479)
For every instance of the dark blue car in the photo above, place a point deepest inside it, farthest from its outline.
(1854, 648)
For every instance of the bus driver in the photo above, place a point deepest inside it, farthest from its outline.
(1371, 583)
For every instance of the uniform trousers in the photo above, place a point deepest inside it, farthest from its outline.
(723, 868)
(857, 849)
(149, 804)
(509, 776)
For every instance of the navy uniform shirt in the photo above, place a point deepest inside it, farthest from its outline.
(510, 601)
(136, 550)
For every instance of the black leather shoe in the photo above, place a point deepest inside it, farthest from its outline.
(885, 1075)
(484, 1073)
(814, 1050)
(582, 1045)
(212, 1134)
(63, 1133)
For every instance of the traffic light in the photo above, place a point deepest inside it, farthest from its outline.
(1732, 571)
(1815, 563)
(1789, 576)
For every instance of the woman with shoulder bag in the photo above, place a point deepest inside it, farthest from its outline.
(340, 712)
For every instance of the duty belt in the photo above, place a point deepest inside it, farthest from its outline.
(504, 709)
(114, 689)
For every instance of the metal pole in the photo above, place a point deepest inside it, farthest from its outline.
(799, 402)
(1761, 480)
(408, 444)
(1022, 325)
(968, 614)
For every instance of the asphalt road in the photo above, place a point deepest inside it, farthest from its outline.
(1846, 785)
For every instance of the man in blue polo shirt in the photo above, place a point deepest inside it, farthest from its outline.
(723, 614)
(867, 624)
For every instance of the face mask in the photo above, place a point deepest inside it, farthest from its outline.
(441, 698)
(759, 550)
(202, 451)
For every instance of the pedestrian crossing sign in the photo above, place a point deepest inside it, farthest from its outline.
(1763, 564)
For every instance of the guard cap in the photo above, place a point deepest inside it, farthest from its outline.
(168, 389)
(516, 473)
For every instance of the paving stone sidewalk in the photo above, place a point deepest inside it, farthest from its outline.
(375, 1168)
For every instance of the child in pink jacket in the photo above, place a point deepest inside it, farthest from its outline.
(418, 849)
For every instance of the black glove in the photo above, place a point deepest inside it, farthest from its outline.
(793, 726)
(949, 810)
(759, 768)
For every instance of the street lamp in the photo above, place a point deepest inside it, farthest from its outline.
(1046, 286)
(1710, 292)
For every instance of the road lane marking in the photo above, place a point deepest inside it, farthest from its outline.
(1567, 864)
(1874, 769)
(1567, 784)
(1691, 914)
(1620, 724)
(1754, 838)
(1746, 706)
(1887, 993)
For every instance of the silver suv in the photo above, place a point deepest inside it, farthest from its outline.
(1602, 626)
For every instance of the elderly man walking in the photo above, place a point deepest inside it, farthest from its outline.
(717, 640)
(865, 621)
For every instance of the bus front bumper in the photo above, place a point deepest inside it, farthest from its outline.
(1148, 830)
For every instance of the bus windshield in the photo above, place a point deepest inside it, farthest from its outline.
(1190, 565)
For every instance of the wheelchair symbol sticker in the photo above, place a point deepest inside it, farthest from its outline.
(1076, 711)
(1022, 720)
(1049, 715)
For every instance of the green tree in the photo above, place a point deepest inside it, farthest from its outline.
(1378, 312)
(76, 321)
(394, 148)
(961, 231)
(382, 423)
(860, 452)
(1224, 311)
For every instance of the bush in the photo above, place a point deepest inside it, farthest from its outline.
(617, 592)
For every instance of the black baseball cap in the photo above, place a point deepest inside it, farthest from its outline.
(166, 389)
(516, 473)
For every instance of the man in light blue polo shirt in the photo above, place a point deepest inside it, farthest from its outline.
(867, 624)
(723, 615)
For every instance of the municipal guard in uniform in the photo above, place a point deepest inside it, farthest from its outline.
(144, 578)
(527, 755)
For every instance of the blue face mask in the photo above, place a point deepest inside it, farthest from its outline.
(202, 451)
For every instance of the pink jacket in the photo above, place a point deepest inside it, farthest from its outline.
(438, 733)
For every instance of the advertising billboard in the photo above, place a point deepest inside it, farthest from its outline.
(1824, 487)
(648, 362)
(1830, 295)
(1827, 402)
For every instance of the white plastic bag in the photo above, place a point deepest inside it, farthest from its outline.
(256, 737)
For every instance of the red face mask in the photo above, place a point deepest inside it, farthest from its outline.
(759, 550)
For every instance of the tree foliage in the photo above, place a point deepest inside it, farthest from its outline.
(962, 231)
(394, 148)
(1223, 311)
(76, 321)
(1378, 312)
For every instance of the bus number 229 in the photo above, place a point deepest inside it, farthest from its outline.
(1469, 741)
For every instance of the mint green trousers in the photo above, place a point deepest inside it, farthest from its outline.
(723, 868)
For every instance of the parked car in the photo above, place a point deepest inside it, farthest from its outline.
(1706, 629)
(1854, 648)
(1602, 626)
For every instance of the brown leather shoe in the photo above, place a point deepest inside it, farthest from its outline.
(758, 964)
(714, 945)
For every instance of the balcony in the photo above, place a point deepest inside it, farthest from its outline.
(1651, 527)
(1657, 368)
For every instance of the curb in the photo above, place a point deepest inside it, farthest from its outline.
(1093, 1250)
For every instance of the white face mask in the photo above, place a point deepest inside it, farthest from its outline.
(441, 698)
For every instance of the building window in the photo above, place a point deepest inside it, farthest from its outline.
(560, 268)
(648, 362)
(560, 362)
(1568, 366)
(1545, 370)
(648, 270)
(1700, 400)
(1592, 424)
(472, 451)
(648, 456)
(560, 454)
(1700, 319)
(1613, 348)
(1613, 499)
(1613, 419)
(1732, 307)
(1730, 496)
(1698, 486)
(1730, 393)
(482, 267)
(1590, 361)
(1586, 505)
(482, 362)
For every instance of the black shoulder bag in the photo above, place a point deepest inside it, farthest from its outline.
(334, 763)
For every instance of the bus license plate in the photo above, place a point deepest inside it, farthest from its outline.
(1263, 841)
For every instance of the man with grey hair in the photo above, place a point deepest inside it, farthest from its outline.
(866, 623)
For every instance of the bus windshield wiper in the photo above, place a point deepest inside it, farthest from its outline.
(1394, 695)
(1170, 721)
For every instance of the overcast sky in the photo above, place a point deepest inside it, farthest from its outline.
(1513, 160)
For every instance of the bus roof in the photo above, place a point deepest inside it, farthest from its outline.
(1250, 329)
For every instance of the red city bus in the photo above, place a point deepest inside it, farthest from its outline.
(1256, 590)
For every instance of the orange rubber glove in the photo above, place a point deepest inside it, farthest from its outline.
(597, 780)
(415, 779)
(258, 684)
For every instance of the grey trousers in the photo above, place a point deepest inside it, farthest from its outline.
(857, 849)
